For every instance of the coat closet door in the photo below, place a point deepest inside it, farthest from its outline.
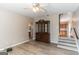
(42, 31)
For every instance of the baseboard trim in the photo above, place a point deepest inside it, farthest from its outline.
(53, 42)
(14, 45)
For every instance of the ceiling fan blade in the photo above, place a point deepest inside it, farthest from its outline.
(37, 7)
(43, 4)
(35, 4)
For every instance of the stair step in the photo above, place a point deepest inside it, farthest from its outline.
(67, 44)
(67, 47)
(68, 41)
(65, 38)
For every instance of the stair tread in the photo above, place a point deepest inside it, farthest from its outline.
(68, 39)
(68, 47)
(67, 44)
(65, 38)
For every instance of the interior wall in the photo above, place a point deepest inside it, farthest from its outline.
(13, 28)
(76, 24)
(54, 27)
(55, 32)
(75, 19)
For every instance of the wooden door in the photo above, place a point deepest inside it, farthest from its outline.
(42, 31)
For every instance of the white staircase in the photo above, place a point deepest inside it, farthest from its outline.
(72, 42)
(69, 44)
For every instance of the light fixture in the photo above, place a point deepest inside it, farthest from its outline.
(35, 9)
(29, 25)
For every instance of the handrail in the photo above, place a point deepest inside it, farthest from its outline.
(76, 33)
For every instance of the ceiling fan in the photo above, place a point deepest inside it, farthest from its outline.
(37, 7)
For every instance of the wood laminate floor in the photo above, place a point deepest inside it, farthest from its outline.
(39, 48)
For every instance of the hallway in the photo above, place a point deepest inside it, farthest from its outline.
(39, 48)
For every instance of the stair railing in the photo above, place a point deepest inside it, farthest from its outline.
(75, 33)
(77, 38)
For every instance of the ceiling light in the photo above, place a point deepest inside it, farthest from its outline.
(35, 9)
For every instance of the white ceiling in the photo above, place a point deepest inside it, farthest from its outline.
(50, 7)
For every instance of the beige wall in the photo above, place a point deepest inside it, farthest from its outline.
(13, 28)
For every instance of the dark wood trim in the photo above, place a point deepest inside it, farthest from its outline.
(44, 27)
(76, 33)
(59, 20)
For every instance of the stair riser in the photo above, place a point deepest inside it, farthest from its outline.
(67, 41)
